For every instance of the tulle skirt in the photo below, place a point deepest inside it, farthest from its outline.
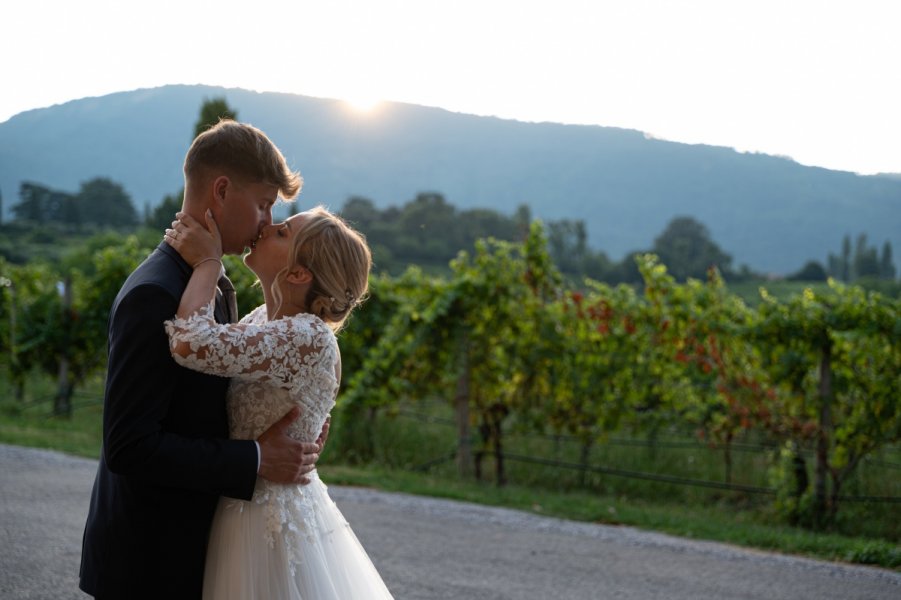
(288, 543)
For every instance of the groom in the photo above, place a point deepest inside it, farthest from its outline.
(166, 455)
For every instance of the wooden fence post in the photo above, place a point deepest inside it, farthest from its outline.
(825, 433)
(62, 405)
(461, 409)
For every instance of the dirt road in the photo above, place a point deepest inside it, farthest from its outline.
(433, 549)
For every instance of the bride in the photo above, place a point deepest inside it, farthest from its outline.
(288, 541)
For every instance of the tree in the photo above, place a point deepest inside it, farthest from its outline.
(429, 228)
(840, 265)
(886, 266)
(211, 111)
(845, 263)
(31, 206)
(104, 202)
(523, 219)
(40, 204)
(360, 212)
(100, 201)
(866, 260)
(162, 216)
(481, 223)
(568, 244)
(687, 250)
(812, 271)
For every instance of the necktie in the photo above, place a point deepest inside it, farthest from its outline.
(231, 299)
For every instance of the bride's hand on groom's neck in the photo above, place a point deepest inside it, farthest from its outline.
(195, 242)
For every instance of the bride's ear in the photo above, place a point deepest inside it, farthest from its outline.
(299, 275)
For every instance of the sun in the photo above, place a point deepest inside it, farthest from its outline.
(362, 103)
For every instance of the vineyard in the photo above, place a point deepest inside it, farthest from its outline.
(814, 379)
(503, 372)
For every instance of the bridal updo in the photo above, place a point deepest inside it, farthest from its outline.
(340, 261)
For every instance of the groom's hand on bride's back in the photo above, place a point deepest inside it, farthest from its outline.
(284, 459)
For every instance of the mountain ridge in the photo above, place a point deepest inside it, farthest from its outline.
(767, 211)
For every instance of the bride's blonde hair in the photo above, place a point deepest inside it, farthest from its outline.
(339, 259)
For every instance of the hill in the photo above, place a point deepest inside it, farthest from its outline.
(768, 212)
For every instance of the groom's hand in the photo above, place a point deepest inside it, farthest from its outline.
(284, 459)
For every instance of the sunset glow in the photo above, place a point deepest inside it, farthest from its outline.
(806, 79)
(362, 103)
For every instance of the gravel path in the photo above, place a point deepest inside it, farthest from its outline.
(435, 549)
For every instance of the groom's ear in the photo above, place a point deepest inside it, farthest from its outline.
(220, 187)
(299, 275)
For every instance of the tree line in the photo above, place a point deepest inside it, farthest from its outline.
(99, 202)
(863, 262)
(426, 231)
(429, 232)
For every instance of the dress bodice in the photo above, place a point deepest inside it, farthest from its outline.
(274, 365)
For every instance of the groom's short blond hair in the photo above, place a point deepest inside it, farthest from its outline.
(244, 152)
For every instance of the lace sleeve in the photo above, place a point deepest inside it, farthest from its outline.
(273, 350)
(255, 317)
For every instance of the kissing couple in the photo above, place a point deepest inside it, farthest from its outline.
(212, 427)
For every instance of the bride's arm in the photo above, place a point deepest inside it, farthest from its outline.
(201, 247)
(255, 347)
(201, 290)
(273, 350)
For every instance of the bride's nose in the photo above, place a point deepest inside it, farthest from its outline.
(266, 230)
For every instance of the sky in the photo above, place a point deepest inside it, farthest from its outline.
(814, 80)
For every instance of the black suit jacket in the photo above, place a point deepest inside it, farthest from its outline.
(166, 455)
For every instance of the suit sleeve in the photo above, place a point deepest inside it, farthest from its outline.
(142, 378)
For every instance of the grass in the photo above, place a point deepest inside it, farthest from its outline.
(718, 522)
(403, 447)
(30, 421)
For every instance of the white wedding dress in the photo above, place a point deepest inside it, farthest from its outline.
(289, 541)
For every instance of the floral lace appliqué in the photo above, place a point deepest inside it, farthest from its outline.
(291, 515)
(274, 365)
